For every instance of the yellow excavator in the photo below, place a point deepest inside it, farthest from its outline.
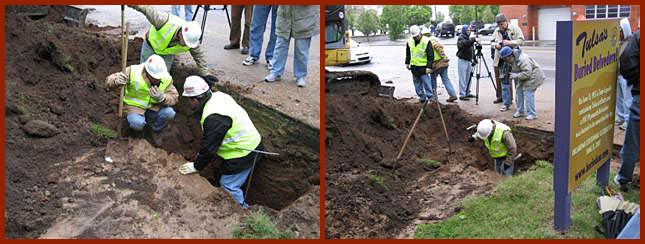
(337, 52)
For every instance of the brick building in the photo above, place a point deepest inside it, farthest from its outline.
(538, 22)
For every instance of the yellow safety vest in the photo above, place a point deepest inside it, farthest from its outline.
(242, 136)
(137, 91)
(160, 39)
(418, 55)
(496, 148)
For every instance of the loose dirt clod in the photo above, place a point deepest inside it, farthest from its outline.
(371, 195)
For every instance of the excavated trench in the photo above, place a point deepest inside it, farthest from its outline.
(369, 197)
(59, 185)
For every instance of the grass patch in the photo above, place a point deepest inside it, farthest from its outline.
(522, 207)
(429, 163)
(103, 132)
(258, 225)
(379, 180)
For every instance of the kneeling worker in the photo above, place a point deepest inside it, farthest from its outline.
(228, 132)
(149, 93)
(500, 143)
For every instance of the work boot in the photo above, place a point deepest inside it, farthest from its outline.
(245, 50)
(471, 95)
(498, 100)
(231, 46)
(464, 98)
(451, 99)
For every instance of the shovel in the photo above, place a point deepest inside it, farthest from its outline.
(392, 162)
(445, 130)
(117, 149)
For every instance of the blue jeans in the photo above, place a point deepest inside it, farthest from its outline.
(623, 99)
(443, 72)
(300, 59)
(422, 87)
(147, 51)
(632, 229)
(258, 25)
(233, 185)
(159, 119)
(525, 98)
(188, 11)
(506, 92)
(464, 67)
(630, 153)
(502, 168)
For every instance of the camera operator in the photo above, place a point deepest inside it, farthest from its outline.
(466, 54)
(504, 35)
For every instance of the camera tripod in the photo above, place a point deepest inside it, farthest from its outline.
(477, 69)
(206, 9)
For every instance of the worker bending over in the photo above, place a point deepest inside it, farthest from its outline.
(500, 143)
(169, 35)
(228, 132)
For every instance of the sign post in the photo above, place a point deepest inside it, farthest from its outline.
(586, 70)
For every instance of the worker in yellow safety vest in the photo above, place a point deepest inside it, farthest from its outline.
(149, 93)
(169, 35)
(500, 143)
(229, 133)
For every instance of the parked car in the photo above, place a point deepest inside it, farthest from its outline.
(488, 29)
(446, 28)
(478, 25)
(458, 28)
(358, 54)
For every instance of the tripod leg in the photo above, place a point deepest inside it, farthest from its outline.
(229, 18)
(489, 74)
(195, 14)
(206, 8)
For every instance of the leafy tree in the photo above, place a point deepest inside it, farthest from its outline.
(417, 14)
(464, 14)
(487, 15)
(368, 22)
(392, 18)
(352, 13)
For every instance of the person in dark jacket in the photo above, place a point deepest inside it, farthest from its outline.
(466, 54)
(229, 133)
(418, 59)
(630, 70)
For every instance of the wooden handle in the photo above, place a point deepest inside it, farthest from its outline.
(405, 143)
(445, 130)
(124, 57)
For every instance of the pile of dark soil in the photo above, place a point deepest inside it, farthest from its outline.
(369, 197)
(54, 79)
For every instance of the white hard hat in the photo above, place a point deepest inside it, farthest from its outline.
(626, 27)
(191, 32)
(484, 129)
(415, 30)
(156, 67)
(194, 86)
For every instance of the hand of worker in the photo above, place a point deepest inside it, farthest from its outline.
(429, 71)
(187, 168)
(513, 76)
(506, 42)
(156, 94)
(210, 80)
(120, 79)
(408, 67)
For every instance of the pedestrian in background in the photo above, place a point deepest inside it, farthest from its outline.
(528, 76)
(630, 153)
(258, 26)
(236, 27)
(418, 60)
(623, 94)
(440, 68)
(299, 22)
(188, 11)
(504, 35)
(465, 55)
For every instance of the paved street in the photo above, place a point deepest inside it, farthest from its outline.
(301, 103)
(388, 63)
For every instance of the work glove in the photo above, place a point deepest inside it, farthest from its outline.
(606, 203)
(187, 168)
(429, 71)
(210, 80)
(156, 94)
(121, 79)
(408, 66)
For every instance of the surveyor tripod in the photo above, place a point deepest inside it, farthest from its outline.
(206, 9)
(476, 71)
